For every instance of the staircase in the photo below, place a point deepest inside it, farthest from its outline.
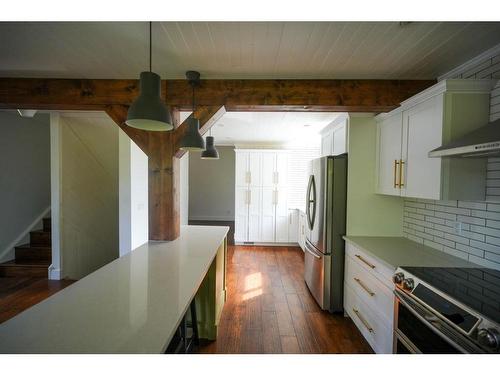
(33, 259)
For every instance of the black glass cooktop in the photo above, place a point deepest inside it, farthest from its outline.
(476, 288)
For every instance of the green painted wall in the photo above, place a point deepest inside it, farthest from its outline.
(368, 214)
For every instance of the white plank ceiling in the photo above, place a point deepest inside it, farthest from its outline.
(242, 50)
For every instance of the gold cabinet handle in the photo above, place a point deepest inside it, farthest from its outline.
(396, 163)
(362, 285)
(365, 323)
(401, 166)
(365, 261)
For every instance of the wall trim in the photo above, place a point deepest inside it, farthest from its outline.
(488, 54)
(211, 218)
(55, 273)
(5, 252)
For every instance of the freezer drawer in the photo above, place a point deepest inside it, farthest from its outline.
(317, 275)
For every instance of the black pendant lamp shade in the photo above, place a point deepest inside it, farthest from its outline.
(210, 151)
(148, 111)
(192, 139)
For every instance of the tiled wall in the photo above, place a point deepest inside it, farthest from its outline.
(433, 223)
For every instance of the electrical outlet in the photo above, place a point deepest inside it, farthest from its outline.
(458, 227)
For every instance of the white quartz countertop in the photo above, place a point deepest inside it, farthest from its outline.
(400, 251)
(131, 305)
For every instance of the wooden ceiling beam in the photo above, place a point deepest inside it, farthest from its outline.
(289, 95)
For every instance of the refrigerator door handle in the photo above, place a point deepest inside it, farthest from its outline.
(311, 200)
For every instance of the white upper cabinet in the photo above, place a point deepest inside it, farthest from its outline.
(242, 176)
(420, 176)
(436, 116)
(389, 145)
(334, 136)
(255, 168)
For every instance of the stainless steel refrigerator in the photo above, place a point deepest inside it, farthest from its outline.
(326, 219)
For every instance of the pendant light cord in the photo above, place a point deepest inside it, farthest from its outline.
(150, 46)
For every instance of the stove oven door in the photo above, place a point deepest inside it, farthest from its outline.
(412, 335)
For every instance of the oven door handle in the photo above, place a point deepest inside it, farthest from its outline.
(430, 320)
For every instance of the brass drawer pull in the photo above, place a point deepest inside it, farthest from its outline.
(396, 163)
(362, 285)
(365, 323)
(365, 261)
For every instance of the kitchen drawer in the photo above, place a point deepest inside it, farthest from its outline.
(370, 289)
(374, 329)
(371, 264)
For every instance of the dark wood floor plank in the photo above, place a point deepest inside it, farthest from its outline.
(271, 339)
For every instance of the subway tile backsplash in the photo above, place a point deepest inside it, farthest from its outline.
(469, 230)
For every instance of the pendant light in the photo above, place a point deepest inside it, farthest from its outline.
(210, 151)
(192, 140)
(148, 111)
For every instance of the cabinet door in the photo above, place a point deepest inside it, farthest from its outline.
(326, 144)
(254, 214)
(241, 173)
(293, 226)
(389, 153)
(268, 169)
(281, 215)
(255, 168)
(340, 139)
(281, 178)
(422, 132)
(241, 214)
(268, 214)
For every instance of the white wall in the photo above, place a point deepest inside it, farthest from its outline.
(133, 195)
(211, 186)
(184, 189)
(88, 206)
(24, 176)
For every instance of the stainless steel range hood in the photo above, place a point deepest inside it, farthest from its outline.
(482, 142)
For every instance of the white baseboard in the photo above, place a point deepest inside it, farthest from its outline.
(211, 218)
(55, 273)
(6, 252)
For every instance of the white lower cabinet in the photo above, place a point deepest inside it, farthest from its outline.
(293, 226)
(368, 297)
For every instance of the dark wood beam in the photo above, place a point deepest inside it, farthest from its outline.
(297, 95)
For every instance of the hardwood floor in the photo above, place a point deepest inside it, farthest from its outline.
(270, 310)
(19, 293)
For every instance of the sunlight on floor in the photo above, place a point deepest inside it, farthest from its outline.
(253, 286)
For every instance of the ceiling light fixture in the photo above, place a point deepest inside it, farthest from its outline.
(210, 151)
(192, 140)
(148, 111)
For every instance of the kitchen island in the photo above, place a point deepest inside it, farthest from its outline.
(133, 304)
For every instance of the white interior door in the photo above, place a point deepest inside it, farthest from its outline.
(389, 153)
(268, 214)
(281, 215)
(255, 214)
(268, 169)
(241, 214)
(255, 168)
(241, 173)
(422, 132)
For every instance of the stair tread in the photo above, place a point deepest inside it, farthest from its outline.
(29, 246)
(31, 263)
